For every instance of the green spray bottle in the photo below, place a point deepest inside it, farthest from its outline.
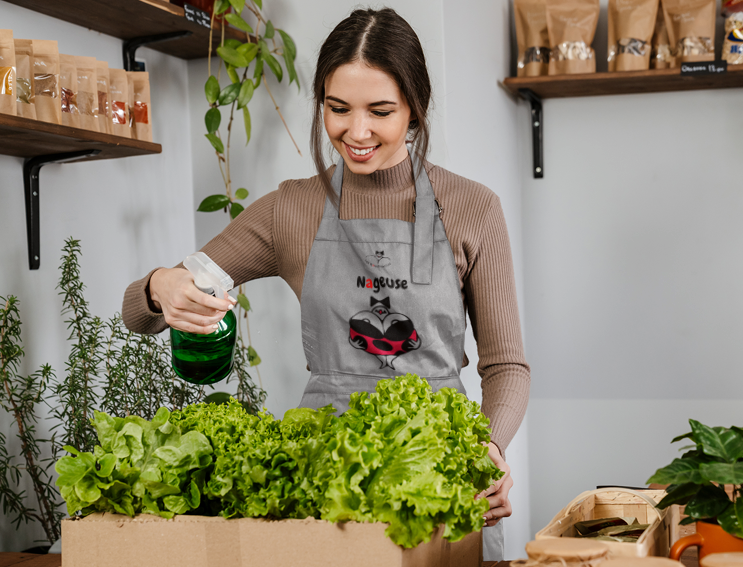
(206, 359)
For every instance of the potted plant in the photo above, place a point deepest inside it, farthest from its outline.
(699, 480)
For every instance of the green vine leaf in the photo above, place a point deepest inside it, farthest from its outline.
(231, 56)
(238, 5)
(289, 46)
(216, 142)
(246, 93)
(259, 3)
(233, 43)
(229, 94)
(236, 209)
(238, 22)
(211, 89)
(249, 50)
(246, 120)
(273, 64)
(258, 73)
(232, 74)
(213, 203)
(289, 62)
(253, 358)
(243, 301)
(269, 33)
(221, 6)
(241, 194)
(212, 119)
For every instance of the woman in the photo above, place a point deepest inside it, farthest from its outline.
(385, 251)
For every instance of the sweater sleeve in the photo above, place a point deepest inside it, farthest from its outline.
(244, 249)
(491, 297)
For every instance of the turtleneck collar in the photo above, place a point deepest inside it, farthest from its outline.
(382, 181)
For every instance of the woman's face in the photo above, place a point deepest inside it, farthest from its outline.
(366, 117)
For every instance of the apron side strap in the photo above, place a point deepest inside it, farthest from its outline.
(423, 240)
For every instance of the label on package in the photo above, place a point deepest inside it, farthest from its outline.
(704, 68)
(193, 14)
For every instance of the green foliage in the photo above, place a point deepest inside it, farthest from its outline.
(214, 203)
(111, 369)
(402, 455)
(698, 478)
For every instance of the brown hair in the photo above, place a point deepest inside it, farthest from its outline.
(385, 41)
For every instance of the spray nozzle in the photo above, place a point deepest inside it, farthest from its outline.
(208, 277)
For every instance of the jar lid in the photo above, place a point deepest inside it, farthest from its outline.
(641, 562)
(730, 559)
(569, 549)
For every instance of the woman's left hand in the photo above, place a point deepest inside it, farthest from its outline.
(497, 493)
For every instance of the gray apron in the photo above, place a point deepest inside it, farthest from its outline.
(380, 298)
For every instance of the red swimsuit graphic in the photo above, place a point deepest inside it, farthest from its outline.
(383, 333)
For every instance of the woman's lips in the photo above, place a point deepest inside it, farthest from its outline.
(356, 157)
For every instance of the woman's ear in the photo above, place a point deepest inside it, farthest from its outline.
(413, 124)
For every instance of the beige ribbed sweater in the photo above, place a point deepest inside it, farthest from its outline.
(274, 235)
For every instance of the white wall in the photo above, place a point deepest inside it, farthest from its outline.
(130, 214)
(632, 284)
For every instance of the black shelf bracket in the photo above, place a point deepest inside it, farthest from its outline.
(31, 169)
(131, 45)
(535, 101)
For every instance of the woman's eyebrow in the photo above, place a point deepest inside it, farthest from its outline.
(379, 103)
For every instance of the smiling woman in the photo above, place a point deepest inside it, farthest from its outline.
(386, 251)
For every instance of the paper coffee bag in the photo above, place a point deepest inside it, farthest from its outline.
(87, 93)
(691, 29)
(139, 106)
(631, 27)
(24, 81)
(571, 25)
(118, 96)
(532, 37)
(7, 73)
(46, 81)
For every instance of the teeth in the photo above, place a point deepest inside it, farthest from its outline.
(360, 152)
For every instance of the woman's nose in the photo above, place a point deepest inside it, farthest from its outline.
(360, 128)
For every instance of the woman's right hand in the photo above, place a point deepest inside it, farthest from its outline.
(185, 307)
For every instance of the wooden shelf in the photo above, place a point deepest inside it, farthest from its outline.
(25, 138)
(129, 19)
(627, 82)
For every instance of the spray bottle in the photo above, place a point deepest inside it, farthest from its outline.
(206, 359)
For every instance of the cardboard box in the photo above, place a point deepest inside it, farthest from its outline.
(113, 540)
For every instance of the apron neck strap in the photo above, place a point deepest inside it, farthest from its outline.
(426, 210)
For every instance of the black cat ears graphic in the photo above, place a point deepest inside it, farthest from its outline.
(385, 302)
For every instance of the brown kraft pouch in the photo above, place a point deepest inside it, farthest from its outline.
(691, 29)
(24, 81)
(104, 108)
(631, 27)
(7, 73)
(46, 81)
(118, 96)
(532, 37)
(572, 25)
(68, 90)
(661, 57)
(139, 106)
(87, 93)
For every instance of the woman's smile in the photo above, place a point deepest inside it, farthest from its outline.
(360, 154)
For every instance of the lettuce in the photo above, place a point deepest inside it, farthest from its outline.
(402, 455)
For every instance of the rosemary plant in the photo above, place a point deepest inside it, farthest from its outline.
(20, 397)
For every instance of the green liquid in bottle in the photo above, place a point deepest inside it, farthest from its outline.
(205, 359)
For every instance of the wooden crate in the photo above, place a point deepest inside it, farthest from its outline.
(609, 502)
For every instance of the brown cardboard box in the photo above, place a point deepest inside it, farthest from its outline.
(198, 541)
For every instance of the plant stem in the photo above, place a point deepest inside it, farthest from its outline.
(276, 106)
